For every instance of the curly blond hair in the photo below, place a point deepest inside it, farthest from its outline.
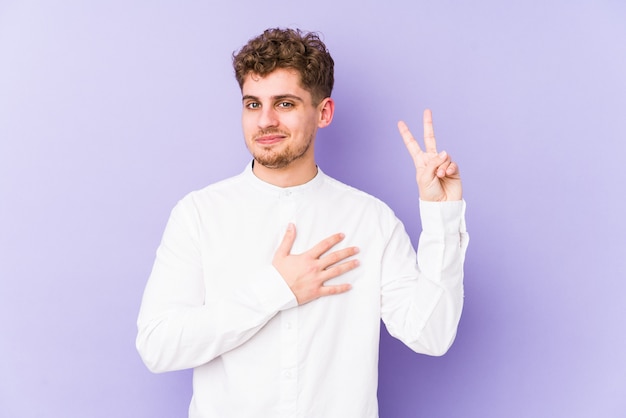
(292, 49)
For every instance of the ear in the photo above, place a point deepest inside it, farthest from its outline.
(326, 111)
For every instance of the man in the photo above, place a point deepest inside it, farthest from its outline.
(271, 284)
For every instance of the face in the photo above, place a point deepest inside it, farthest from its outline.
(280, 120)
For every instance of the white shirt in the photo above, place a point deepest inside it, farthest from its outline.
(215, 303)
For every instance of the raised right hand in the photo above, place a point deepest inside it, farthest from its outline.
(306, 273)
(437, 176)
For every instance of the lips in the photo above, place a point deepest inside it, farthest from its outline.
(269, 139)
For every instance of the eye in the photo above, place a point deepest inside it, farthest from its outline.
(253, 105)
(285, 105)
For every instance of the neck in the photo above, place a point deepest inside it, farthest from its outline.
(292, 175)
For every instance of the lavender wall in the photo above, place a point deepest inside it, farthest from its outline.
(110, 111)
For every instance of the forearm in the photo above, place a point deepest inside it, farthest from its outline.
(174, 335)
(440, 257)
(424, 311)
(195, 308)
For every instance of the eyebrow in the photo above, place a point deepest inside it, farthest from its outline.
(274, 98)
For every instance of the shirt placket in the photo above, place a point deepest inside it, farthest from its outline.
(288, 328)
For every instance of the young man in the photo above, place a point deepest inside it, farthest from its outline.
(271, 284)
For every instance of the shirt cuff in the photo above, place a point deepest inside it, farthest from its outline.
(272, 290)
(442, 217)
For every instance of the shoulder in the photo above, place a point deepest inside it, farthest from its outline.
(211, 194)
(342, 192)
(360, 209)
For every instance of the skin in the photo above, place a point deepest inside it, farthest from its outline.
(280, 123)
(438, 177)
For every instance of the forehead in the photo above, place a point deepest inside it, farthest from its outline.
(279, 82)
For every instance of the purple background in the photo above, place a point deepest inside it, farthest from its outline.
(110, 111)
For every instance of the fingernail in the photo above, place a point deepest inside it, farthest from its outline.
(442, 154)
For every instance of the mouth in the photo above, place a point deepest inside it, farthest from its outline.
(270, 139)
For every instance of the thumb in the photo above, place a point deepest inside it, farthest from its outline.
(284, 249)
(435, 162)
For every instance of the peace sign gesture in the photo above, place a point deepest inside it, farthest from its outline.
(438, 178)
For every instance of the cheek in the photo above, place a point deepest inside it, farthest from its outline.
(295, 123)
(248, 126)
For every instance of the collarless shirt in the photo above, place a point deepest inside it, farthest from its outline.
(215, 303)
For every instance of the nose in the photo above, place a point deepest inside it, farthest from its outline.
(268, 117)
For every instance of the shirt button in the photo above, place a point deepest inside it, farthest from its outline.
(289, 325)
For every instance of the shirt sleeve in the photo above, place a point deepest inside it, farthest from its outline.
(177, 327)
(422, 301)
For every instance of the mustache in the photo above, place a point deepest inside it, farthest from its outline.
(266, 132)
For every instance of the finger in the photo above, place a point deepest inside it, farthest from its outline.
(325, 245)
(339, 269)
(435, 163)
(409, 141)
(445, 166)
(334, 289)
(443, 162)
(443, 169)
(429, 132)
(284, 249)
(453, 169)
(337, 256)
